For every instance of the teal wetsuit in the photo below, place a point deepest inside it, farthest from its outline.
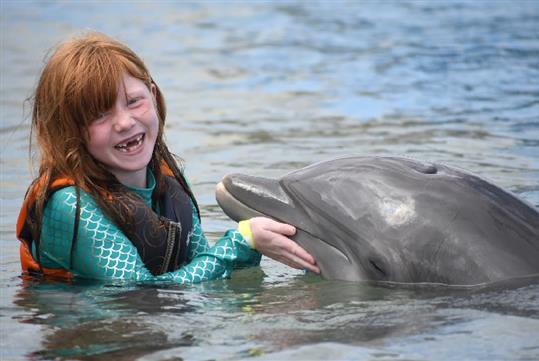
(102, 251)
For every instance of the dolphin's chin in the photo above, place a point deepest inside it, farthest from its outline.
(233, 208)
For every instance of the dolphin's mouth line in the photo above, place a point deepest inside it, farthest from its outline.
(238, 211)
(225, 199)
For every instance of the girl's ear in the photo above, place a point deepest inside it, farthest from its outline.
(153, 90)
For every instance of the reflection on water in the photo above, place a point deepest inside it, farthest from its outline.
(89, 321)
(265, 88)
(93, 320)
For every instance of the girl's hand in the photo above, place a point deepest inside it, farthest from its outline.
(271, 239)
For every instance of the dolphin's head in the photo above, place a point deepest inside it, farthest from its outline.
(340, 208)
(370, 218)
(243, 196)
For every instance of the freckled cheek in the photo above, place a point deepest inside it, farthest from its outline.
(147, 110)
(142, 111)
(96, 139)
(150, 116)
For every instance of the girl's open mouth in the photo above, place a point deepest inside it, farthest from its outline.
(131, 144)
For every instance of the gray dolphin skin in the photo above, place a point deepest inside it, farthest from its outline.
(395, 219)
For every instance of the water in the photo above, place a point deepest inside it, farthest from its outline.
(265, 88)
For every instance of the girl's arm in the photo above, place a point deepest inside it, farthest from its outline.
(231, 250)
(103, 252)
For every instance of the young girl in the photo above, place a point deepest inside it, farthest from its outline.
(110, 201)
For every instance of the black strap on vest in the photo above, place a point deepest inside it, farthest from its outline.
(162, 240)
(75, 229)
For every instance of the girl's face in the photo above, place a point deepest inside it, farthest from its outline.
(124, 137)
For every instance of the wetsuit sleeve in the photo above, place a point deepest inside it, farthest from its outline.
(229, 252)
(198, 244)
(102, 251)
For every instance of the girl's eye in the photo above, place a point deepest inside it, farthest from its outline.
(101, 117)
(133, 101)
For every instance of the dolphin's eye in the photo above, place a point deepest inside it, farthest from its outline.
(378, 269)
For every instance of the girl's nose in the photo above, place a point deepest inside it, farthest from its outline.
(123, 120)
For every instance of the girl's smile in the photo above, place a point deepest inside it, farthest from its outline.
(124, 137)
(132, 144)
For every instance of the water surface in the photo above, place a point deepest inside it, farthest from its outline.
(265, 88)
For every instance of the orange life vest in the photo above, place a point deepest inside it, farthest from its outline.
(24, 231)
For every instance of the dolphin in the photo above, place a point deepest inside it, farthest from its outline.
(395, 219)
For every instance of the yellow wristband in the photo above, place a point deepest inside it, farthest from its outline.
(244, 227)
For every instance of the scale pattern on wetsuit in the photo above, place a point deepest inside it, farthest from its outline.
(102, 251)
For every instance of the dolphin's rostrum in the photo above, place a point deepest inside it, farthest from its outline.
(395, 219)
